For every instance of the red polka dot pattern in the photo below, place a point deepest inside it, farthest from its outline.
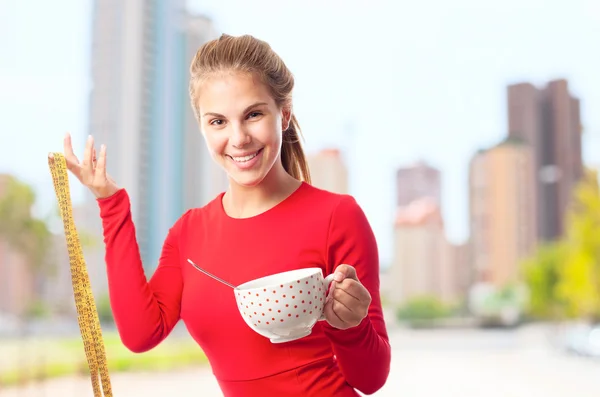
(283, 304)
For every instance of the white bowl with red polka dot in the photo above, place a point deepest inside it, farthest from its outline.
(284, 306)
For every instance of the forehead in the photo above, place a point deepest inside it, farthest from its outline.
(229, 92)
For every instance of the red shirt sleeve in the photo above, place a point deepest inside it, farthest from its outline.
(145, 312)
(363, 353)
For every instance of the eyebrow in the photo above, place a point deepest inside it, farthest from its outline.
(245, 110)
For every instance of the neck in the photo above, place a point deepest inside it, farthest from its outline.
(247, 201)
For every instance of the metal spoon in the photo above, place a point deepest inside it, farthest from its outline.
(211, 275)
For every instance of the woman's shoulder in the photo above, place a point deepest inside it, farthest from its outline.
(339, 213)
(328, 200)
(203, 213)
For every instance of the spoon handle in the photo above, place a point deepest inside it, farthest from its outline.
(211, 275)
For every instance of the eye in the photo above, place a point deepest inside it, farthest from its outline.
(254, 114)
(216, 122)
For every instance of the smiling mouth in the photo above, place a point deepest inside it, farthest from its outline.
(245, 158)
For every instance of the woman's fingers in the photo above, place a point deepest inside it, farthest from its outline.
(70, 158)
(91, 172)
(87, 165)
(100, 178)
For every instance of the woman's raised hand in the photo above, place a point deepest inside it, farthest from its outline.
(91, 172)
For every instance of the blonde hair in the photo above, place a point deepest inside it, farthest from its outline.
(248, 54)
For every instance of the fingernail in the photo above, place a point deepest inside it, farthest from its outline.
(338, 276)
(89, 137)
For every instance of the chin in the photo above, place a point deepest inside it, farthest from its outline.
(245, 178)
(246, 181)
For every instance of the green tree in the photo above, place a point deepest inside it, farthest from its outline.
(579, 285)
(423, 308)
(563, 277)
(542, 275)
(25, 234)
(28, 235)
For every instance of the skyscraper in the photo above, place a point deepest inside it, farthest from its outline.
(139, 105)
(501, 211)
(549, 120)
(417, 181)
(419, 249)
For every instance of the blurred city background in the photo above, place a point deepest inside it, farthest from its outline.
(467, 130)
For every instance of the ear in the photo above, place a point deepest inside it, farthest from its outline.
(286, 116)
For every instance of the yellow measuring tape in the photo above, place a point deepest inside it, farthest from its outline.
(87, 314)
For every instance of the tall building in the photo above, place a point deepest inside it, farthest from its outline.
(425, 263)
(456, 272)
(139, 107)
(549, 120)
(417, 181)
(328, 171)
(419, 249)
(502, 211)
(120, 99)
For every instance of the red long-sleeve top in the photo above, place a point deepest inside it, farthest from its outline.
(312, 227)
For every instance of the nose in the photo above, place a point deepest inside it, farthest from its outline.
(239, 136)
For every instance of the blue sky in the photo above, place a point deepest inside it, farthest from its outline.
(414, 80)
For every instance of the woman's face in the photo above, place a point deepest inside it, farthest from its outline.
(242, 126)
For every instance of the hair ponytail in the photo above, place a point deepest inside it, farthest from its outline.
(292, 154)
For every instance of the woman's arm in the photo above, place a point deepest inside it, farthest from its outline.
(145, 312)
(363, 353)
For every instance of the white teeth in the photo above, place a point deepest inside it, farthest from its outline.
(245, 158)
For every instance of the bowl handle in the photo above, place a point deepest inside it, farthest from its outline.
(326, 283)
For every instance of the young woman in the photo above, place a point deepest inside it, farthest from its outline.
(269, 220)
